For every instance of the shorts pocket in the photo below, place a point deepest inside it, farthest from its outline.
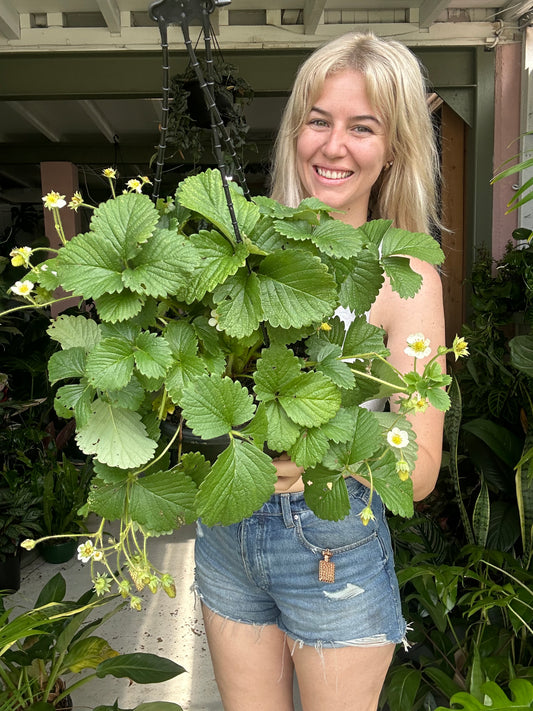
(317, 535)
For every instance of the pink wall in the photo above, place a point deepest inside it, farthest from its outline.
(506, 145)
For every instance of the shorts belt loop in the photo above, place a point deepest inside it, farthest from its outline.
(286, 510)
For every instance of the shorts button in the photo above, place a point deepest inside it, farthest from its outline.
(296, 517)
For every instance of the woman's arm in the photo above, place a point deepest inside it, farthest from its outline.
(400, 318)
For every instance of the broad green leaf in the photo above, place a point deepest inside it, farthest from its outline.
(213, 406)
(296, 289)
(126, 331)
(502, 441)
(402, 687)
(152, 355)
(438, 398)
(129, 398)
(310, 399)
(238, 304)
(87, 654)
(108, 499)
(375, 230)
(140, 667)
(363, 339)
(326, 494)
(309, 448)
(110, 364)
(281, 431)
(74, 331)
(89, 266)
(363, 439)
(163, 501)
(53, 591)
(195, 466)
(163, 266)
(275, 370)
(404, 280)
(521, 697)
(75, 398)
(412, 244)
(240, 481)
(67, 364)
(337, 239)
(522, 353)
(360, 281)
(396, 495)
(327, 356)
(181, 338)
(184, 370)
(266, 238)
(219, 258)
(116, 437)
(119, 307)
(204, 194)
(125, 222)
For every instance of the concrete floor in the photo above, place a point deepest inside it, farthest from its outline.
(171, 628)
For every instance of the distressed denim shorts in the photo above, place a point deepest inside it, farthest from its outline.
(265, 571)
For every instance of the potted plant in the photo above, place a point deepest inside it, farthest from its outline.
(64, 486)
(189, 122)
(44, 650)
(20, 518)
(234, 333)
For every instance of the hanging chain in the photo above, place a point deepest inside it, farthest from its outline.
(182, 12)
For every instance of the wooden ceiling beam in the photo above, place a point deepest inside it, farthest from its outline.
(111, 12)
(34, 120)
(313, 10)
(9, 20)
(430, 10)
(98, 118)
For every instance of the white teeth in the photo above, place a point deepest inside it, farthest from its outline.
(333, 174)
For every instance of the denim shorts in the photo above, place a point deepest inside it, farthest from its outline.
(265, 571)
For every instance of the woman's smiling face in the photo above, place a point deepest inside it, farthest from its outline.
(342, 147)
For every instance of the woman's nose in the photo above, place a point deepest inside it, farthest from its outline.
(335, 144)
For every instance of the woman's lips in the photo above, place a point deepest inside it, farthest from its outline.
(333, 174)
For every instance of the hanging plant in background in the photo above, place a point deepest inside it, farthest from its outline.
(189, 125)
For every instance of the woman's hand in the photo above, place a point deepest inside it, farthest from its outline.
(289, 475)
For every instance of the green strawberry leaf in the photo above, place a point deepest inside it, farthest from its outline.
(326, 493)
(125, 222)
(412, 244)
(119, 307)
(115, 436)
(404, 280)
(110, 364)
(67, 364)
(238, 303)
(163, 501)
(296, 289)
(213, 406)
(360, 281)
(205, 195)
(240, 481)
(152, 355)
(72, 331)
(219, 258)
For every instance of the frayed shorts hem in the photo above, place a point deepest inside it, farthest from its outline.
(378, 640)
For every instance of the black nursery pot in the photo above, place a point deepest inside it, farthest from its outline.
(58, 551)
(10, 573)
(190, 442)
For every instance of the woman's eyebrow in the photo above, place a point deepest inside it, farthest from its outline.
(361, 117)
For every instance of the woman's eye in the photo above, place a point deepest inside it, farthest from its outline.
(362, 129)
(317, 122)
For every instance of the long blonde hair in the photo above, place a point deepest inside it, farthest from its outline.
(405, 192)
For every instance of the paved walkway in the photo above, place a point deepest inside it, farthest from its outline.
(170, 628)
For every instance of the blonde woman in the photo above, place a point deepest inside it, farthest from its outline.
(356, 134)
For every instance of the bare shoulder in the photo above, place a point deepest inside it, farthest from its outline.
(422, 311)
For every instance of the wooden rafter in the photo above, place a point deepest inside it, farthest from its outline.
(9, 20)
(430, 10)
(313, 10)
(98, 119)
(111, 12)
